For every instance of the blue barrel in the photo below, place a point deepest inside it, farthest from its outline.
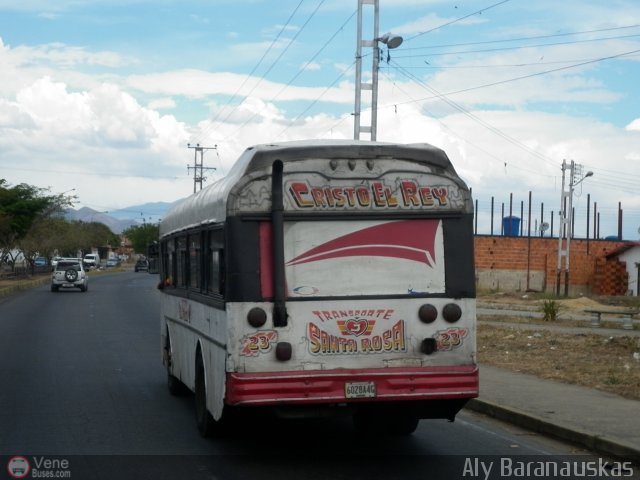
(511, 226)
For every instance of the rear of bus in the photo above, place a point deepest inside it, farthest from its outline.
(350, 284)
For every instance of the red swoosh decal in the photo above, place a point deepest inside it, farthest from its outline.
(405, 239)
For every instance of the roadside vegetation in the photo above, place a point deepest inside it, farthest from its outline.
(141, 236)
(32, 224)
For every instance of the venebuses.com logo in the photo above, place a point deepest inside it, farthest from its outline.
(19, 466)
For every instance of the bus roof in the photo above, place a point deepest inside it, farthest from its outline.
(209, 204)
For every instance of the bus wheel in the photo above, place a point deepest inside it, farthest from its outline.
(384, 421)
(204, 420)
(175, 386)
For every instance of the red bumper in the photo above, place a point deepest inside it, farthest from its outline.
(319, 386)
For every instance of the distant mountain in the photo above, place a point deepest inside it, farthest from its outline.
(147, 212)
(120, 220)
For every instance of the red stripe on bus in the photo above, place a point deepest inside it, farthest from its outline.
(300, 387)
(266, 260)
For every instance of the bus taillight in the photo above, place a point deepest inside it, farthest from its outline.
(452, 312)
(257, 317)
(427, 313)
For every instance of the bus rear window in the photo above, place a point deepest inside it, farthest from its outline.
(363, 258)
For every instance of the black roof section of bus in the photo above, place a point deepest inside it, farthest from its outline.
(265, 155)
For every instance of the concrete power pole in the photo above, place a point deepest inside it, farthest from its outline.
(391, 41)
(566, 222)
(198, 165)
(373, 86)
(564, 233)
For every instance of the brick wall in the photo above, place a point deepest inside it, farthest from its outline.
(610, 277)
(520, 263)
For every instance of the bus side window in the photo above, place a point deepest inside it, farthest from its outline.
(215, 260)
(182, 272)
(168, 262)
(194, 260)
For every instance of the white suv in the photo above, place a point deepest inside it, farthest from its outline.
(69, 273)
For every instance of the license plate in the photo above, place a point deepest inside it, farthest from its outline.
(67, 285)
(360, 390)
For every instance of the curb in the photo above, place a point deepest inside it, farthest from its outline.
(590, 441)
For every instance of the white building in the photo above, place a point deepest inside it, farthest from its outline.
(629, 254)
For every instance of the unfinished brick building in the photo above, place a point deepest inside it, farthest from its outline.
(519, 264)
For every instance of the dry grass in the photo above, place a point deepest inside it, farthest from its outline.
(590, 360)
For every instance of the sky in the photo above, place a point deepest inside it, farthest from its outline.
(101, 99)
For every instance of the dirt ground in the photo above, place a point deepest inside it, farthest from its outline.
(611, 364)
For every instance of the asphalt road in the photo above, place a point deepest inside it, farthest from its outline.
(81, 380)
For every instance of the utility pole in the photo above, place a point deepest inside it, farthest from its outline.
(391, 41)
(373, 86)
(564, 232)
(565, 215)
(198, 165)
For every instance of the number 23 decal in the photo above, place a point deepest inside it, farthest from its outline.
(450, 338)
(256, 343)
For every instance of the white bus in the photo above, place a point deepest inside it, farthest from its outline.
(323, 276)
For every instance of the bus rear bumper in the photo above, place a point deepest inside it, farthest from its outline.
(330, 386)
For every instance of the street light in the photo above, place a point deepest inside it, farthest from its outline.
(588, 174)
(391, 41)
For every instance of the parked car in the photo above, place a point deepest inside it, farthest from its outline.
(113, 262)
(69, 274)
(40, 261)
(91, 260)
(141, 266)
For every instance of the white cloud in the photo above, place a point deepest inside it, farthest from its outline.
(635, 125)
(198, 84)
(162, 104)
(89, 140)
(66, 56)
(311, 66)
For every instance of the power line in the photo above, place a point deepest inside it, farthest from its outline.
(531, 75)
(469, 142)
(432, 66)
(457, 20)
(520, 47)
(288, 84)
(274, 41)
(275, 62)
(522, 39)
(475, 118)
(292, 122)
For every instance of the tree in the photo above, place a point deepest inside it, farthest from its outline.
(94, 234)
(141, 236)
(22, 205)
(45, 237)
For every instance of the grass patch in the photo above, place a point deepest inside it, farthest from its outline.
(550, 310)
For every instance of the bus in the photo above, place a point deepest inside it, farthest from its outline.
(323, 277)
